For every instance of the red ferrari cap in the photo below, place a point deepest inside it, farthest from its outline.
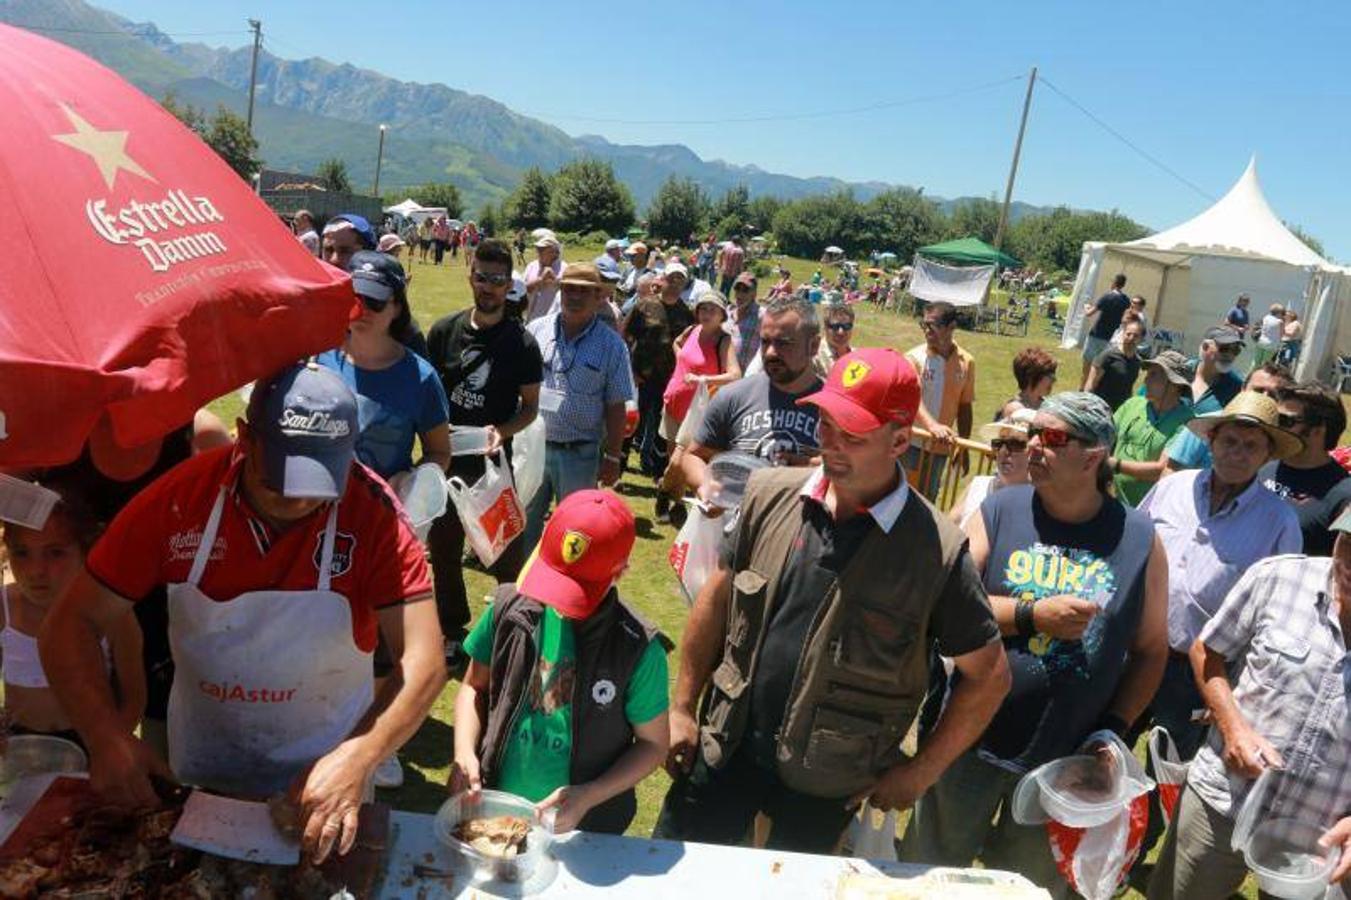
(585, 546)
(868, 388)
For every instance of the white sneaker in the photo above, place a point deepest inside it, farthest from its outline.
(389, 774)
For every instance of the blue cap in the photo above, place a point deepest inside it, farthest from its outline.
(608, 268)
(359, 225)
(376, 275)
(305, 418)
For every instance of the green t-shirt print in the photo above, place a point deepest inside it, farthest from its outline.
(536, 760)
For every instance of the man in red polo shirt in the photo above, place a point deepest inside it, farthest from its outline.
(283, 558)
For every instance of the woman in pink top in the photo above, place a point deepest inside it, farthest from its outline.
(704, 353)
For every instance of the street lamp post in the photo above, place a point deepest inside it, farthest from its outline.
(379, 158)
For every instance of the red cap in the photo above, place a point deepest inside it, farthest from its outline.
(868, 388)
(584, 548)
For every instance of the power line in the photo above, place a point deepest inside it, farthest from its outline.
(1127, 141)
(848, 111)
(122, 32)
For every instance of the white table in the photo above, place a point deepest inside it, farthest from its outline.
(592, 865)
(595, 865)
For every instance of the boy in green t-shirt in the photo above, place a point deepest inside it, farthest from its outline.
(564, 702)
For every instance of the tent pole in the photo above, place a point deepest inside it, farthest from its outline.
(1013, 169)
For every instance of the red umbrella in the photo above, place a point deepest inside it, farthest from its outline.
(141, 277)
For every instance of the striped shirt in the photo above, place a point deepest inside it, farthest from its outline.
(1207, 553)
(591, 371)
(1288, 662)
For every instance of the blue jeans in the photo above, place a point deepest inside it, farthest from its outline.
(568, 468)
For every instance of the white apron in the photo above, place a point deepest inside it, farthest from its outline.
(265, 683)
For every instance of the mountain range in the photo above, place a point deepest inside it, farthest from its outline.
(309, 110)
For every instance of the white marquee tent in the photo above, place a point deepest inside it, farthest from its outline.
(1191, 274)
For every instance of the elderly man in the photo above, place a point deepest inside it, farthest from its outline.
(541, 276)
(1144, 425)
(1214, 384)
(1272, 667)
(1215, 523)
(745, 319)
(760, 414)
(1079, 585)
(284, 559)
(637, 254)
(303, 224)
(802, 644)
(587, 381)
(1314, 485)
(948, 374)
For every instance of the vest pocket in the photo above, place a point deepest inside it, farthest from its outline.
(875, 643)
(749, 589)
(839, 740)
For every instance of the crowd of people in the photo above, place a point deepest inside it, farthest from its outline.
(1173, 553)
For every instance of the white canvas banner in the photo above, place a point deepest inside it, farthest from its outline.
(934, 282)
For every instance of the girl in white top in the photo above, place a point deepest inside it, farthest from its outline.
(1008, 438)
(43, 565)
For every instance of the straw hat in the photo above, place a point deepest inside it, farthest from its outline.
(1251, 408)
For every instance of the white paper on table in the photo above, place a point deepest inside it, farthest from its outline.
(237, 829)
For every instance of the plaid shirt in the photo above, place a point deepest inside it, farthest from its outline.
(1288, 661)
(591, 372)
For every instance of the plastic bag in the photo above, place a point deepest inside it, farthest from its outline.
(1169, 771)
(527, 460)
(695, 417)
(694, 555)
(872, 834)
(490, 511)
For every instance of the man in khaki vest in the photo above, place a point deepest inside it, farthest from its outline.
(810, 645)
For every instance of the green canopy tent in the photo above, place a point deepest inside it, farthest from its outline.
(968, 251)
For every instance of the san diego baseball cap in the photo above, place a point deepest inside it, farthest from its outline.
(868, 388)
(585, 547)
(305, 418)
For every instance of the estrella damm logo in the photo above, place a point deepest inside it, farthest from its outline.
(855, 372)
(575, 545)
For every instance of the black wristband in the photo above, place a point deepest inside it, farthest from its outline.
(1023, 622)
(1110, 721)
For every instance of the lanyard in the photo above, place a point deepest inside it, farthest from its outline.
(556, 349)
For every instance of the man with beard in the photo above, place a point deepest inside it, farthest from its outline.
(760, 414)
(491, 369)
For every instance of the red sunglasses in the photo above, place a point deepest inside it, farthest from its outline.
(1055, 438)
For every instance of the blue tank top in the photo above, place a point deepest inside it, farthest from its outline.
(1061, 688)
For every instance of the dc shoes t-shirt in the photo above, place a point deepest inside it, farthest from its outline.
(537, 758)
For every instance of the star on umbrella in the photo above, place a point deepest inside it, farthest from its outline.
(108, 149)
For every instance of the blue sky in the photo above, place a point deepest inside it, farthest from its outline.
(1199, 87)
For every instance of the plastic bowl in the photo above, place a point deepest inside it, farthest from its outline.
(468, 440)
(423, 495)
(1285, 856)
(38, 754)
(728, 473)
(1074, 793)
(486, 804)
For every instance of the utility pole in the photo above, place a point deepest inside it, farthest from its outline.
(379, 158)
(1013, 169)
(257, 27)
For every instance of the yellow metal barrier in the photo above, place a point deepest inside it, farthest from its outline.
(949, 483)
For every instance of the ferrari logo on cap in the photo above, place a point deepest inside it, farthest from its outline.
(574, 546)
(855, 372)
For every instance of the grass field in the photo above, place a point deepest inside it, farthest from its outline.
(650, 584)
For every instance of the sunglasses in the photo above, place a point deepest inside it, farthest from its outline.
(1008, 444)
(1288, 421)
(1054, 437)
(496, 279)
(933, 326)
(741, 287)
(372, 304)
(841, 326)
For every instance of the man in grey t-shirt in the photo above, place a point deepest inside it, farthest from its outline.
(759, 415)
